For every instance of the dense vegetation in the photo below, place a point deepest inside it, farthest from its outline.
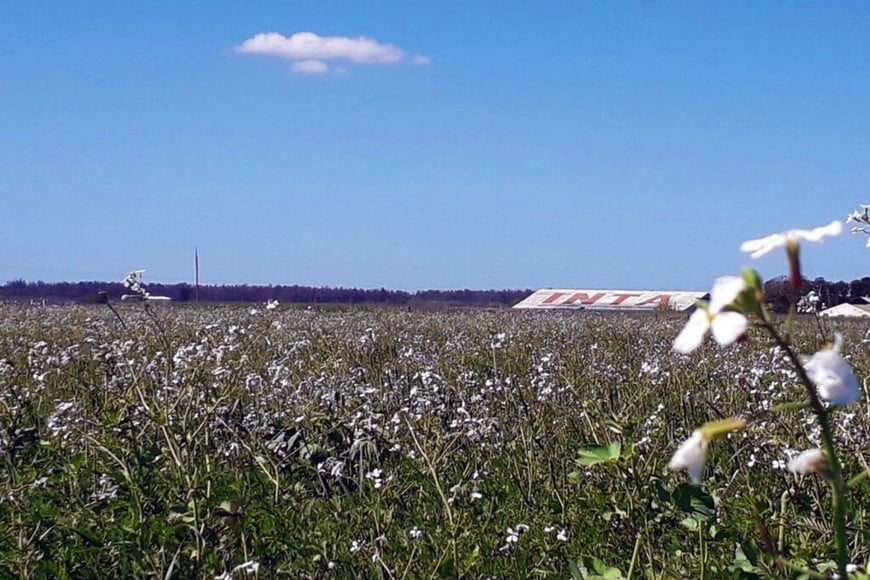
(219, 441)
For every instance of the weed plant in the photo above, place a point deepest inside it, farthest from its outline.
(270, 442)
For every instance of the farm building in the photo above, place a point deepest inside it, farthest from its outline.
(551, 299)
(855, 308)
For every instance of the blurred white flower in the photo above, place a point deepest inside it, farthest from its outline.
(862, 216)
(761, 246)
(691, 456)
(808, 461)
(249, 567)
(133, 281)
(726, 327)
(833, 376)
(376, 475)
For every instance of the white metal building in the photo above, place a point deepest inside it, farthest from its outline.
(856, 308)
(550, 299)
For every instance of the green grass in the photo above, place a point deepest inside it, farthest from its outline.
(384, 443)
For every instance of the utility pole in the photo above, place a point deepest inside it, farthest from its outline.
(196, 273)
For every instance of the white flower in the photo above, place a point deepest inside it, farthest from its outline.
(860, 216)
(833, 376)
(726, 327)
(133, 281)
(761, 246)
(808, 461)
(249, 567)
(691, 455)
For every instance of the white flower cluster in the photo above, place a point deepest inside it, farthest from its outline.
(513, 536)
(727, 326)
(724, 316)
(833, 376)
(761, 246)
(691, 456)
(862, 217)
(133, 282)
(245, 568)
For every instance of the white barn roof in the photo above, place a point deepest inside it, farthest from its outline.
(846, 309)
(549, 298)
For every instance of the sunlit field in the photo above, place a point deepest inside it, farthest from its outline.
(241, 442)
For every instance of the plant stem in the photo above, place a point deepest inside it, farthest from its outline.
(838, 497)
(701, 529)
(115, 312)
(630, 572)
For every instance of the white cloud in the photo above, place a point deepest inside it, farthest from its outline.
(310, 52)
(309, 67)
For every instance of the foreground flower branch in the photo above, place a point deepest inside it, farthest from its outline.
(861, 216)
(826, 376)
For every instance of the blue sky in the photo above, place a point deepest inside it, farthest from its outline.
(464, 144)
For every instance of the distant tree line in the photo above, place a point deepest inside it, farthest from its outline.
(778, 291)
(182, 292)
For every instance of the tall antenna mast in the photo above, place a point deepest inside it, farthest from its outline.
(196, 272)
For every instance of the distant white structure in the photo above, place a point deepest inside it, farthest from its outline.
(855, 308)
(140, 298)
(551, 299)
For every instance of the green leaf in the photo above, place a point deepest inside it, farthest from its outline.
(447, 569)
(599, 568)
(746, 560)
(713, 531)
(574, 570)
(690, 523)
(659, 492)
(471, 558)
(752, 279)
(597, 455)
(694, 500)
(87, 535)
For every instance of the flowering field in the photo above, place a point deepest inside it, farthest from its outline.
(235, 442)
